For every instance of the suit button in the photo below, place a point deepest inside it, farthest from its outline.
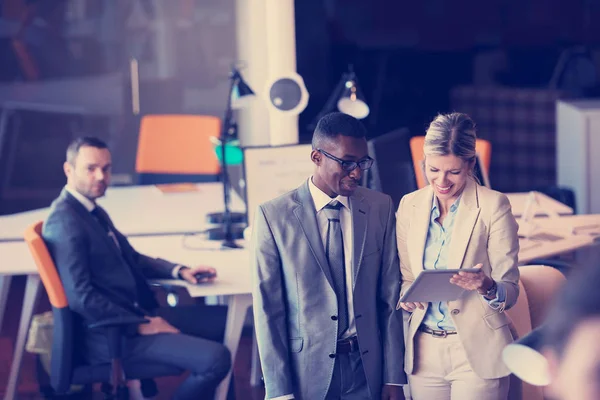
(455, 311)
(332, 356)
(333, 317)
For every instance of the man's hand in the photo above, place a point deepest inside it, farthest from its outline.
(187, 274)
(392, 392)
(156, 325)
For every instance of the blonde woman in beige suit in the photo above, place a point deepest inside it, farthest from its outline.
(453, 348)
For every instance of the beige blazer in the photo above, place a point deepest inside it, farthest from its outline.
(485, 231)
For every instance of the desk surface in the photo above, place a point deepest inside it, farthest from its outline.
(518, 202)
(232, 265)
(146, 210)
(570, 232)
(142, 210)
(575, 232)
(233, 271)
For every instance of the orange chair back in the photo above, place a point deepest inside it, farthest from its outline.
(26, 61)
(45, 266)
(178, 144)
(482, 147)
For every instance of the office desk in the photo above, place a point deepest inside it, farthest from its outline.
(16, 260)
(136, 211)
(233, 282)
(518, 202)
(142, 210)
(185, 212)
(571, 232)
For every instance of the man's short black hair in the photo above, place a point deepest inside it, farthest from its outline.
(334, 124)
(76, 144)
(576, 302)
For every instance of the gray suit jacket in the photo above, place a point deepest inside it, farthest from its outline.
(294, 298)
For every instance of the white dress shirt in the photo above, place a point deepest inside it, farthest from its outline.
(321, 200)
(87, 203)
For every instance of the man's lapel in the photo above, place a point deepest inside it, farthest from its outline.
(419, 226)
(307, 219)
(464, 222)
(360, 210)
(88, 218)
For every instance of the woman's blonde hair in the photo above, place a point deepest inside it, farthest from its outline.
(451, 134)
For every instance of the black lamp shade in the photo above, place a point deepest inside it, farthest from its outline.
(523, 358)
(241, 93)
(243, 89)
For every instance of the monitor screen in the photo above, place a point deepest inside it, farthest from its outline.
(392, 172)
(272, 171)
(33, 141)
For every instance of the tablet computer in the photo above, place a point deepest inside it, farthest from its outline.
(434, 285)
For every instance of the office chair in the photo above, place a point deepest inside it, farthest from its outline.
(482, 146)
(66, 368)
(538, 286)
(177, 148)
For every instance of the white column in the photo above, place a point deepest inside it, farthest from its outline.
(164, 43)
(266, 41)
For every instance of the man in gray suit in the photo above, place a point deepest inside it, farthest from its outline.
(326, 279)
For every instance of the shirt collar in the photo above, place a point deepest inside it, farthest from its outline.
(453, 207)
(87, 203)
(321, 199)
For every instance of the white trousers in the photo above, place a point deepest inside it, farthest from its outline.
(442, 372)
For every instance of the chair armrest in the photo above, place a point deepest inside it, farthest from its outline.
(168, 283)
(171, 287)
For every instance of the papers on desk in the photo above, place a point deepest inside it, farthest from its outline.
(592, 230)
(544, 237)
(526, 244)
(178, 187)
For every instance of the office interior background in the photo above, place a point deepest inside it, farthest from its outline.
(97, 67)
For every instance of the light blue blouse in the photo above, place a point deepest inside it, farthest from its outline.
(437, 248)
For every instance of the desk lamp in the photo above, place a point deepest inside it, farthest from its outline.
(347, 97)
(523, 358)
(239, 97)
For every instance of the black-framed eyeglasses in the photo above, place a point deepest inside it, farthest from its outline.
(349, 166)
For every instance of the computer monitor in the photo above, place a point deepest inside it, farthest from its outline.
(33, 140)
(481, 173)
(271, 171)
(392, 172)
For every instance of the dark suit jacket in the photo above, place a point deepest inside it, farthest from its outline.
(101, 281)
